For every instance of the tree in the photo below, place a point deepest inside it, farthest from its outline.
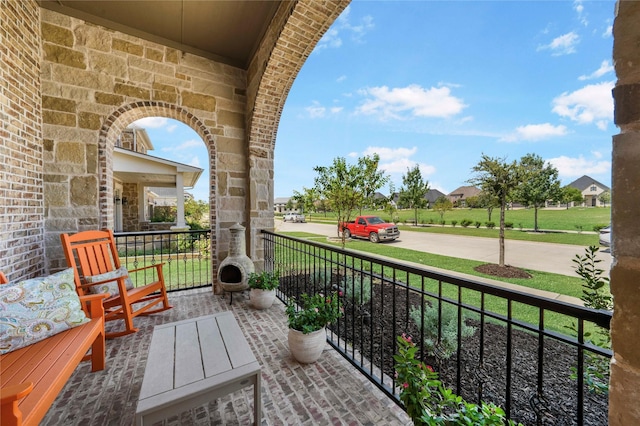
(413, 191)
(343, 186)
(289, 205)
(539, 184)
(498, 178)
(489, 202)
(196, 213)
(442, 205)
(306, 199)
(569, 194)
(372, 179)
(605, 198)
(390, 206)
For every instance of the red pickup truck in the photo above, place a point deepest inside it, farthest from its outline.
(371, 227)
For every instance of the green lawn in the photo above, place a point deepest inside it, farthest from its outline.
(555, 220)
(550, 219)
(566, 285)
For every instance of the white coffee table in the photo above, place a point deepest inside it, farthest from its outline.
(195, 361)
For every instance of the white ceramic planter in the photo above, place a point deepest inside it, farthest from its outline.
(262, 299)
(307, 348)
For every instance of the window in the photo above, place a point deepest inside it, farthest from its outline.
(593, 188)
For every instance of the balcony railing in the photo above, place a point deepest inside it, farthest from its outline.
(186, 256)
(531, 355)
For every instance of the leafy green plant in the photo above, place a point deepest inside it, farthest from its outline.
(314, 313)
(508, 225)
(429, 402)
(478, 224)
(454, 223)
(357, 289)
(490, 225)
(448, 322)
(595, 294)
(265, 280)
(466, 222)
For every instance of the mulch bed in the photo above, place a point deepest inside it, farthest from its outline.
(372, 332)
(502, 271)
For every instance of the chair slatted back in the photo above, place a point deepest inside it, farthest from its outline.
(90, 253)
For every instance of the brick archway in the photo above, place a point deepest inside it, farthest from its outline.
(118, 121)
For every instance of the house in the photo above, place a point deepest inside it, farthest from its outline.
(591, 190)
(432, 195)
(280, 204)
(77, 73)
(459, 196)
(141, 182)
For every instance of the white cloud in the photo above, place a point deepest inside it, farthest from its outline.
(396, 161)
(151, 122)
(333, 37)
(535, 132)
(608, 32)
(195, 162)
(341, 78)
(577, 166)
(562, 45)
(316, 110)
(579, 8)
(605, 68)
(591, 104)
(187, 146)
(413, 99)
(390, 154)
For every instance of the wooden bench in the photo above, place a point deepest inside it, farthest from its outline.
(32, 377)
(195, 361)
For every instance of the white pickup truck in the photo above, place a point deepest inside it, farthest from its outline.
(293, 217)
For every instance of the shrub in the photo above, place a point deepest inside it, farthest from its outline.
(448, 328)
(478, 223)
(490, 225)
(431, 221)
(508, 225)
(357, 289)
(597, 228)
(429, 402)
(466, 222)
(454, 223)
(443, 222)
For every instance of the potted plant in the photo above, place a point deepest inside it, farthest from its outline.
(307, 324)
(263, 288)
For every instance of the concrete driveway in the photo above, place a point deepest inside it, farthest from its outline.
(555, 258)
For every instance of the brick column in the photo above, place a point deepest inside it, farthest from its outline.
(624, 392)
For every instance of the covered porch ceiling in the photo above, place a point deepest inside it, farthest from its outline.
(224, 31)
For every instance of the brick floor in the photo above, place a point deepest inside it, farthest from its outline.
(328, 392)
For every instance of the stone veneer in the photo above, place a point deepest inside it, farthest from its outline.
(624, 392)
(81, 84)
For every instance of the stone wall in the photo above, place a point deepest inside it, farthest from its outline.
(97, 81)
(624, 392)
(21, 145)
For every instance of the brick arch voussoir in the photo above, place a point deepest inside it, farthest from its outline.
(118, 121)
(306, 25)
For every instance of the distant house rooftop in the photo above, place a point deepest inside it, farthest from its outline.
(585, 182)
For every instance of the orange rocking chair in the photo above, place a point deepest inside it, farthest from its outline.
(94, 258)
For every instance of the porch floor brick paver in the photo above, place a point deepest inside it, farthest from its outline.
(328, 392)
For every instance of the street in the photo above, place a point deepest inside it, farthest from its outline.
(555, 258)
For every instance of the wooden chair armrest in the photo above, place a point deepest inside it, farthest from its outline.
(10, 396)
(94, 301)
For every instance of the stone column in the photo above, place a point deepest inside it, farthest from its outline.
(624, 392)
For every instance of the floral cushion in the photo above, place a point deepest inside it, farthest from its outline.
(112, 286)
(34, 309)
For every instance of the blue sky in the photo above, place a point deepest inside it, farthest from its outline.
(439, 83)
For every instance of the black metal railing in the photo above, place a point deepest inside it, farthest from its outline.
(185, 255)
(531, 355)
